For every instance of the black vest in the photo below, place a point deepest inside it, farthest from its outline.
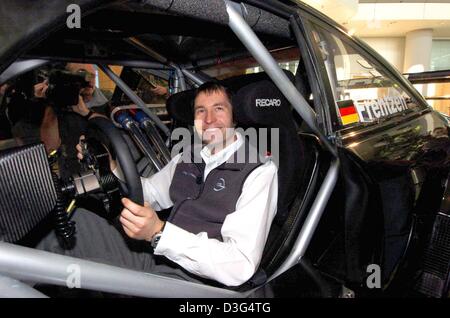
(201, 206)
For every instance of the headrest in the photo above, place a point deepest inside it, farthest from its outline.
(179, 107)
(255, 89)
(260, 104)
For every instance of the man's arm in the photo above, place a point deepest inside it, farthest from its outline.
(233, 261)
(156, 188)
(49, 130)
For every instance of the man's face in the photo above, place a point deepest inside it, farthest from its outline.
(86, 92)
(213, 115)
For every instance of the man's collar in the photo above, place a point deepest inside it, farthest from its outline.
(224, 154)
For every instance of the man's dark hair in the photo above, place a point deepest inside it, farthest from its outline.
(211, 87)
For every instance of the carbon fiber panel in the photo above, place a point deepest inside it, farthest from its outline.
(27, 192)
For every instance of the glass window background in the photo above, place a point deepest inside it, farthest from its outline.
(438, 94)
(440, 55)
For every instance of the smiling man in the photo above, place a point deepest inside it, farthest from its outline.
(221, 212)
(213, 117)
(222, 209)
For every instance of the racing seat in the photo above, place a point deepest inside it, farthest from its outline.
(296, 157)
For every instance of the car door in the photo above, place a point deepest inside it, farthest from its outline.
(380, 124)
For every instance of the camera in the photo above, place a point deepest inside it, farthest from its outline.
(64, 87)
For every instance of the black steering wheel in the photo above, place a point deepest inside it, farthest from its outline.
(133, 187)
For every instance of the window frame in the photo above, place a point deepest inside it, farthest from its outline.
(372, 57)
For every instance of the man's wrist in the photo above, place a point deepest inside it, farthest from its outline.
(157, 235)
(161, 228)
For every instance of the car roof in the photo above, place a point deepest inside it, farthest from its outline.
(189, 31)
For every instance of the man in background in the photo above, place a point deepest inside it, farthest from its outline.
(60, 128)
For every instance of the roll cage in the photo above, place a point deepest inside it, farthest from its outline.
(24, 264)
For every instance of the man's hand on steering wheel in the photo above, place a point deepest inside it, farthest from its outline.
(102, 130)
(139, 222)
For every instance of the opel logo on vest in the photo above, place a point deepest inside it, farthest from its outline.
(220, 185)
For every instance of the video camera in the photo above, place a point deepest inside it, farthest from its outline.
(64, 87)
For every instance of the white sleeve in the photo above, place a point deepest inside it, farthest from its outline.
(244, 232)
(156, 188)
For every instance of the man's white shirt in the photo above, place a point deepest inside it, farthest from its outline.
(244, 231)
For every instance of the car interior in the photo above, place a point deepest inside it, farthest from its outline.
(298, 151)
(184, 45)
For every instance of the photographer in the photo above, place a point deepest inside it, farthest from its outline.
(21, 114)
(72, 99)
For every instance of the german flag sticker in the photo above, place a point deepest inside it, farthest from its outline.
(347, 111)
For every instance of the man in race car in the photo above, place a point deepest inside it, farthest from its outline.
(221, 213)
